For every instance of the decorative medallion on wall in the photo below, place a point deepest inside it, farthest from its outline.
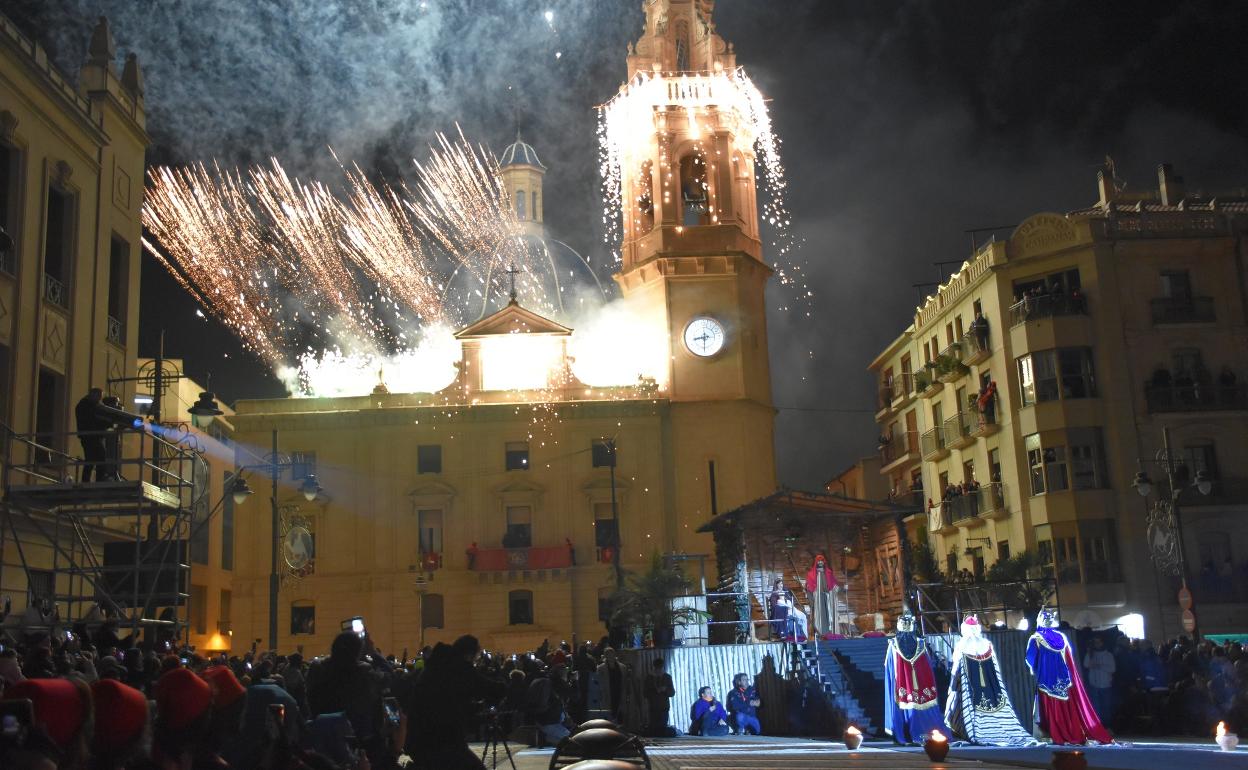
(298, 542)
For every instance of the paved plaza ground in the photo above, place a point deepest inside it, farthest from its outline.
(766, 753)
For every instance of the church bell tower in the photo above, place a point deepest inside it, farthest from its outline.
(683, 130)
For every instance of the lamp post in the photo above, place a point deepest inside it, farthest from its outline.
(310, 489)
(1165, 525)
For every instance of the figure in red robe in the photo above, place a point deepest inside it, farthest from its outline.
(1062, 707)
(821, 588)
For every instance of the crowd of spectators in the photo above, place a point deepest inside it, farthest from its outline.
(1178, 688)
(96, 701)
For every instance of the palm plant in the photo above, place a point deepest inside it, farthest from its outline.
(646, 600)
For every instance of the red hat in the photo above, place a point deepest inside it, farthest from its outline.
(120, 715)
(225, 685)
(182, 697)
(60, 709)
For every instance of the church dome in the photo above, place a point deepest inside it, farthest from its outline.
(520, 153)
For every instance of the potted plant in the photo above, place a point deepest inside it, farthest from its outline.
(645, 600)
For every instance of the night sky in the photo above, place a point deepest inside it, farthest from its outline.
(904, 125)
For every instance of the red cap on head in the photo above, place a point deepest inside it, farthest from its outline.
(120, 715)
(182, 697)
(60, 708)
(225, 685)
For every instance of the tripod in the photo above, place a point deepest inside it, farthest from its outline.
(494, 735)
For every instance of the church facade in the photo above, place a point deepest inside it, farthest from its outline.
(500, 506)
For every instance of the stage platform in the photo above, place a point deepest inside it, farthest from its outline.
(770, 753)
(100, 498)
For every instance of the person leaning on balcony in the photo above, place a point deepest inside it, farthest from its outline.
(979, 327)
(91, 426)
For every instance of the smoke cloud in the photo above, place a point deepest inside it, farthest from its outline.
(904, 123)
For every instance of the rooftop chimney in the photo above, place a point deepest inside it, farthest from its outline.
(1170, 185)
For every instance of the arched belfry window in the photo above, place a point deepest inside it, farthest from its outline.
(682, 46)
(520, 204)
(645, 199)
(694, 191)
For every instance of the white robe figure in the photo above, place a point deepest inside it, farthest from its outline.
(978, 710)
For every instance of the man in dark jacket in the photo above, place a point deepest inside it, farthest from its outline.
(441, 704)
(743, 703)
(658, 690)
(344, 682)
(91, 426)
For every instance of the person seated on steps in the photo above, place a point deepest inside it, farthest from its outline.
(707, 716)
(743, 703)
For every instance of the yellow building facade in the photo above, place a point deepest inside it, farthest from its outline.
(1103, 329)
(71, 189)
(494, 510)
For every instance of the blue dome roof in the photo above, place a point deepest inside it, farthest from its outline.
(520, 153)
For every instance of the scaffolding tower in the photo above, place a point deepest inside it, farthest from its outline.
(119, 548)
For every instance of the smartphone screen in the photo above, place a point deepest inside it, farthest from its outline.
(392, 710)
(357, 625)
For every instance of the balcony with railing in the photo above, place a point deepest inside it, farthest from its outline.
(115, 331)
(933, 444)
(977, 344)
(1039, 306)
(1195, 397)
(884, 402)
(985, 422)
(55, 292)
(1182, 310)
(963, 507)
(904, 388)
(940, 518)
(508, 559)
(992, 501)
(949, 364)
(926, 382)
(958, 429)
(897, 449)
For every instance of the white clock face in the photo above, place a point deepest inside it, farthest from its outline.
(704, 336)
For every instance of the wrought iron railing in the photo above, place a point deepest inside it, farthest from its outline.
(55, 292)
(942, 606)
(1040, 306)
(115, 331)
(1195, 397)
(1182, 310)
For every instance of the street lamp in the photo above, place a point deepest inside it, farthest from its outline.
(1165, 524)
(206, 406)
(240, 491)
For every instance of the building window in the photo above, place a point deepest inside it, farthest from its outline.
(603, 452)
(227, 523)
(994, 464)
(224, 611)
(4, 385)
(199, 609)
(41, 587)
(1176, 285)
(1050, 375)
(682, 46)
(200, 530)
(1003, 550)
(302, 465)
(606, 528)
(1100, 551)
(520, 608)
(118, 289)
(517, 455)
(50, 412)
(430, 523)
(1053, 283)
(951, 565)
(1200, 455)
(10, 164)
(432, 611)
(1087, 458)
(604, 604)
(1047, 465)
(519, 527)
(429, 458)
(302, 618)
(58, 247)
(533, 210)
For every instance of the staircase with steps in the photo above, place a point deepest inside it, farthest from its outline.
(845, 686)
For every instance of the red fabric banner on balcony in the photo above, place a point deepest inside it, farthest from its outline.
(502, 559)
